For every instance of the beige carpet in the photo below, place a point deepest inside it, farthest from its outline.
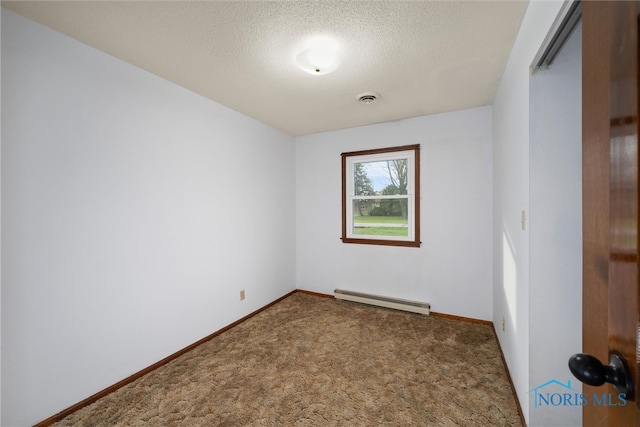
(311, 361)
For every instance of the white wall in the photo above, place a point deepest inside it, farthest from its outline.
(555, 245)
(133, 212)
(511, 196)
(452, 268)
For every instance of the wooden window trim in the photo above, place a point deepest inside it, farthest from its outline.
(415, 243)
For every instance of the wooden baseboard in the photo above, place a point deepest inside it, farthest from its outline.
(315, 294)
(506, 368)
(91, 399)
(462, 319)
(433, 313)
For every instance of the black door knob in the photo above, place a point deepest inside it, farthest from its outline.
(591, 371)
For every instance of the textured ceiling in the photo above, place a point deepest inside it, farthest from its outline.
(423, 57)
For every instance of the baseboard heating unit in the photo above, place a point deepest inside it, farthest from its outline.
(388, 302)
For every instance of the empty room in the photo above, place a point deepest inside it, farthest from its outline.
(319, 213)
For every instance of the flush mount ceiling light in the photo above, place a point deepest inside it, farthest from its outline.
(368, 97)
(320, 56)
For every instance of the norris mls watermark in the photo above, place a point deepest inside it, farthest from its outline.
(555, 393)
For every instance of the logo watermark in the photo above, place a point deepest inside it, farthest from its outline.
(557, 393)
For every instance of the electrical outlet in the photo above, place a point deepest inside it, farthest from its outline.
(242, 298)
(503, 324)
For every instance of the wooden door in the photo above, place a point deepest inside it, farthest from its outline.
(610, 198)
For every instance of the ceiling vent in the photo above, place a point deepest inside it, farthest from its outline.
(368, 97)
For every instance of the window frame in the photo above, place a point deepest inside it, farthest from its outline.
(413, 194)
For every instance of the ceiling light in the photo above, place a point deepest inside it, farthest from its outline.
(319, 57)
(368, 97)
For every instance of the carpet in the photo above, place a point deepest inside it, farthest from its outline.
(312, 361)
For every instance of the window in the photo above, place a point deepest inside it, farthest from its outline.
(381, 196)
